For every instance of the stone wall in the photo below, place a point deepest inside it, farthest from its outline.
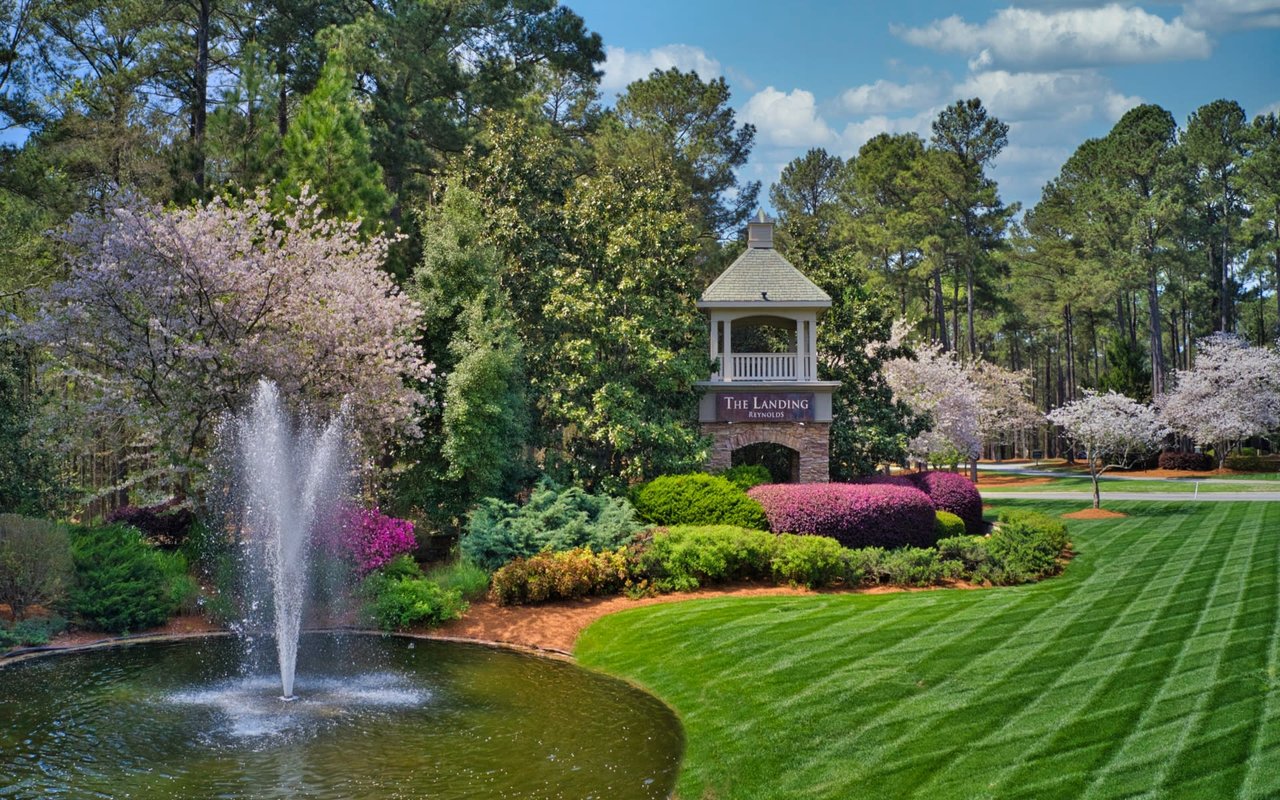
(810, 439)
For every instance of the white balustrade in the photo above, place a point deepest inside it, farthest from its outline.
(764, 366)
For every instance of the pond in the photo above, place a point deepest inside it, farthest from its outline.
(374, 717)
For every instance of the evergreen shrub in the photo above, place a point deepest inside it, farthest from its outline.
(123, 583)
(1178, 460)
(698, 499)
(952, 492)
(1246, 462)
(31, 632)
(1027, 546)
(744, 476)
(555, 519)
(949, 524)
(813, 561)
(856, 515)
(685, 557)
(400, 597)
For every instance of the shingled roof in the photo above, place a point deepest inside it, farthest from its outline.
(762, 275)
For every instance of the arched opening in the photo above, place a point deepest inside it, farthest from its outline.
(782, 462)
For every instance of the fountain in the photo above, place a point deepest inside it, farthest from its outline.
(373, 715)
(287, 482)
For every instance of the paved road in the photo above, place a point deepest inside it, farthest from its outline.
(1156, 496)
(1023, 469)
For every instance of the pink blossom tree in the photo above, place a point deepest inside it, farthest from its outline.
(168, 317)
(1111, 429)
(1232, 392)
(1005, 412)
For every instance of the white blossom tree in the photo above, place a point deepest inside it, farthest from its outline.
(1005, 412)
(168, 317)
(1111, 429)
(1232, 392)
(936, 384)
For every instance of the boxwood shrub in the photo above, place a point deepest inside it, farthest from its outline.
(697, 499)
(949, 524)
(400, 597)
(744, 476)
(856, 515)
(688, 556)
(1178, 460)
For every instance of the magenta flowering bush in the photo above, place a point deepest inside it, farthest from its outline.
(856, 515)
(955, 493)
(371, 539)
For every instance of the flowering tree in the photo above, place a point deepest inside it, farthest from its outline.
(1112, 430)
(1231, 393)
(934, 383)
(169, 317)
(1004, 411)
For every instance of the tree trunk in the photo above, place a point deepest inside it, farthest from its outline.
(1156, 338)
(973, 341)
(940, 308)
(200, 98)
(1093, 475)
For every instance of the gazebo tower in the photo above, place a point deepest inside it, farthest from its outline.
(764, 335)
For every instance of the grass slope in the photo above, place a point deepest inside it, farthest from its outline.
(1148, 670)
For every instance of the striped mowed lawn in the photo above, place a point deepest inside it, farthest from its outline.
(1147, 670)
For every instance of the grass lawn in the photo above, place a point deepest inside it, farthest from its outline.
(1108, 483)
(1148, 670)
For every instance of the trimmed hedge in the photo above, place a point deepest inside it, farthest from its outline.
(856, 515)
(744, 476)
(697, 499)
(1247, 462)
(1177, 460)
(955, 493)
(688, 556)
(949, 524)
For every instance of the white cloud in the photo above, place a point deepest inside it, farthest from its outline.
(856, 134)
(1029, 38)
(882, 96)
(1232, 14)
(1274, 108)
(1068, 97)
(787, 119)
(622, 67)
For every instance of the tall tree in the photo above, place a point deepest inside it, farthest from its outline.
(1215, 144)
(1261, 177)
(807, 197)
(689, 122)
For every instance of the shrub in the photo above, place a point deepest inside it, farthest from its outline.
(813, 561)
(912, 566)
(122, 582)
(688, 556)
(1026, 546)
(744, 476)
(35, 562)
(1242, 462)
(698, 499)
(31, 632)
(1177, 460)
(949, 524)
(554, 519)
(468, 578)
(559, 576)
(400, 597)
(371, 539)
(166, 525)
(954, 493)
(856, 515)
(865, 566)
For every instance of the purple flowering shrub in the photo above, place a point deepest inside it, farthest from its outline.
(165, 525)
(371, 539)
(856, 515)
(955, 493)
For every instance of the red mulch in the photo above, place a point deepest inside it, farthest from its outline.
(1094, 513)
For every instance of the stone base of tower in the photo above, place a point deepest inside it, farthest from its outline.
(810, 440)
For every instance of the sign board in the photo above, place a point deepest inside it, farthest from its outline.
(764, 407)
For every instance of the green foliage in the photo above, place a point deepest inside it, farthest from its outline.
(554, 519)
(470, 579)
(697, 499)
(327, 147)
(31, 632)
(1128, 372)
(122, 583)
(1027, 546)
(35, 563)
(949, 525)
(27, 476)
(744, 476)
(213, 556)
(1246, 462)
(912, 566)
(812, 561)
(400, 597)
(560, 576)
(686, 557)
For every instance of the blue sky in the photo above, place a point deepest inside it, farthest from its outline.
(831, 74)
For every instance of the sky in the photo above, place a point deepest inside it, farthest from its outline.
(814, 73)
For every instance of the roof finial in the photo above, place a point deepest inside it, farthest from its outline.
(760, 217)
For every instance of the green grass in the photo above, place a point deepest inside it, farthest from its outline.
(1111, 484)
(1147, 670)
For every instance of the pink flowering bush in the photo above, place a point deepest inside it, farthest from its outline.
(952, 492)
(856, 515)
(371, 539)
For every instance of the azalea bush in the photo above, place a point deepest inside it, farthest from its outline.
(1178, 460)
(371, 538)
(856, 515)
(166, 524)
(954, 493)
